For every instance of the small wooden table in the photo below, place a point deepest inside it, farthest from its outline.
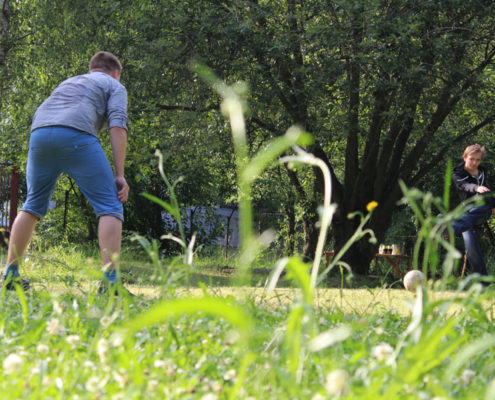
(393, 259)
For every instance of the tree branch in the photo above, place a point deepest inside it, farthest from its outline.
(187, 108)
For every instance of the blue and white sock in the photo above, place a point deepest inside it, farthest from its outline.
(12, 270)
(111, 276)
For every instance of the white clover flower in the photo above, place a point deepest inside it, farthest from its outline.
(230, 375)
(232, 336)
(337, 382)
(73, 339)
(121, 379)
(168, 365)
(152, 385)
(54, 327)
(209, 396)
(105, 321)
(57, 309)
(379, 330)
(216, 386)
(21, 352)
(93, 384)
(117, 339)
(160, 364)
(102, 349)
(467, 376)
(42, 348)
(75, 306)
(382, 351)
(89, 364)
(171, 370)
(94, 313)
(12, 363)
(36, 370)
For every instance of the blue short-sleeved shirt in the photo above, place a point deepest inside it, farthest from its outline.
(85, 102)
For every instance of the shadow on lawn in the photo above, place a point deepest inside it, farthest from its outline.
(224, 276)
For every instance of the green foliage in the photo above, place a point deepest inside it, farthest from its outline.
(421, 73)
(57, 343)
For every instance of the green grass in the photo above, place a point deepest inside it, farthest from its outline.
(61, 341)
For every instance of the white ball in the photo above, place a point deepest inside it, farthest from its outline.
(413, 279)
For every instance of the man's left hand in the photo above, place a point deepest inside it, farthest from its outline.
(123, 188)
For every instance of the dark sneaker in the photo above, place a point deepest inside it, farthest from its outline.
(106, 287)
(9, 283)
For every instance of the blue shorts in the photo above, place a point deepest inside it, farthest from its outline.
(57, 149)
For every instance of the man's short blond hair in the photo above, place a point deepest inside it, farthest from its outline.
(474, 148)
(105, 61)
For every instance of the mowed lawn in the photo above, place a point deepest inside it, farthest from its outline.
(347, 301)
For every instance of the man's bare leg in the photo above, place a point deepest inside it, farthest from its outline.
(109, 237)
(22, 230)
(21, 233)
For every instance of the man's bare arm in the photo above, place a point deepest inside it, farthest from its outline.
(118, 140)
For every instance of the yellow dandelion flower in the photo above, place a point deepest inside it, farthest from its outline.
(371, 205)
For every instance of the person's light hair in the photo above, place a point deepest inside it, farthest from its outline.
(474, 148)
(105, 61)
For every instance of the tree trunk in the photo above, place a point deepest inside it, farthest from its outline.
(311, 233)
(291, 226)
(4, 28)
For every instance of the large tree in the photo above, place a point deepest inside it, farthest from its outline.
(385, 87)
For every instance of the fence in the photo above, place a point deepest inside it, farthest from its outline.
(9, 197)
